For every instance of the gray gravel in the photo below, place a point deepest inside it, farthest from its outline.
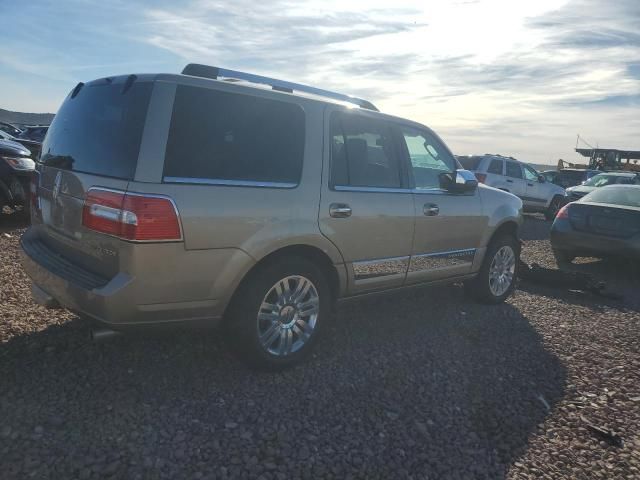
(424, 384)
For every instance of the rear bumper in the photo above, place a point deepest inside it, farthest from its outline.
(108, 301)
(564, 237)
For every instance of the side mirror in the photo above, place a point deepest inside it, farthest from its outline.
(460, 181)
(541, 178)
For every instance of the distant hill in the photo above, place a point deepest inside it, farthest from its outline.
(25, 118)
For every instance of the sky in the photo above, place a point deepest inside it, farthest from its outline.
(515, 77)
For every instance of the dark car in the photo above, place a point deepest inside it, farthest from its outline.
(569, 177)
(35, 132)
(16, 168)
(10, 129)
(602, 180)
(31, 145)
(605, 222)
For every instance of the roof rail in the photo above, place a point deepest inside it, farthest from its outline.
(206, 71)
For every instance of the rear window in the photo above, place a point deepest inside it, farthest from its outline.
(496, 167)
(99, 131)
(233, 138)
(470, 163)
(627, 196)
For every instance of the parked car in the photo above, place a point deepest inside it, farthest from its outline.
(16, 168)
(198, 199)
(33, 146)
(34, 132)
(605, 222)
(602, 180)
(521, 179)
(569, 177)
(10, 129)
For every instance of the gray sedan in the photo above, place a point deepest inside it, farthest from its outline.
(605, 222)
(602, 180)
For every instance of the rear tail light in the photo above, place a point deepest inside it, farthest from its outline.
(482, 177)
(130, 216)
(563, 213)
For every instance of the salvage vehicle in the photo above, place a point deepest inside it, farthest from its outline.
(33, 132)
(10, 129)
(33, 146)
(569, 177)
(519, 178)
(221, 195)
(605, 222)
(602, 180)
(16, 168)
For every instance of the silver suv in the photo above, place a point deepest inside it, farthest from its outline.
(519, 178)
(177, 198)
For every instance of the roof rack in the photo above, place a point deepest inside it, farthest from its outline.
(206, 71)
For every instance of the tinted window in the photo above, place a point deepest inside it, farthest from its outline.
(470, 163)
(514, 170)
(429, 157)
(230, 137)
(362, 153)
(496, 167)
(99, 130)
(603, 179)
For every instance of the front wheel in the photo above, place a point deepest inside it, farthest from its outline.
(496, 279)
(554, 208)
(279, 312)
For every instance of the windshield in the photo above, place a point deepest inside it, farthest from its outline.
(99, 130)
(628, 196)
(603, 179)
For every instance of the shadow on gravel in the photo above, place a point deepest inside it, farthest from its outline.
(422, 384)
(535, 227)
(9, 222)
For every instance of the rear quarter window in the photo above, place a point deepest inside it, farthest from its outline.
(230, 137)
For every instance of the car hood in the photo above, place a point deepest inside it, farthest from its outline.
(581, 189)
(9, 147)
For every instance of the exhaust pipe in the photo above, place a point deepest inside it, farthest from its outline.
(102, 334)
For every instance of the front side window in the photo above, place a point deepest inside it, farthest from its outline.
(530, 174)
(514, 170)
(363, 153)
(429, 157)
(225, 136)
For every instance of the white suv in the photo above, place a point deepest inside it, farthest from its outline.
(521, 179)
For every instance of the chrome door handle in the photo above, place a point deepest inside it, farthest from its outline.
(431, 209)
(339, 210)
(509, 181)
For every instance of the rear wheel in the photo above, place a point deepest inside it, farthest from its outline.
(554, 207)
(279, 312)
(563, 257)
(497, 277)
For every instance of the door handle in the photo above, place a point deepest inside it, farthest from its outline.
(339, 210)
(431, 209)
(530, 184)
(509, 181)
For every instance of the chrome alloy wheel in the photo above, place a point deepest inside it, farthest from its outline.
(502, 271)
(288, 315)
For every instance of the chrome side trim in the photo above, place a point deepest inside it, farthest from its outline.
(233, 183)
(433, 261)
(347, 188)
(382, 267)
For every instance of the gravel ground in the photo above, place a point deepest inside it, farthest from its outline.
(424, 384)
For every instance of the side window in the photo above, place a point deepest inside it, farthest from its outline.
(496, 166)
(362, 153)
(530, 174)
(226, 137)
(429, 157)
(514, 170)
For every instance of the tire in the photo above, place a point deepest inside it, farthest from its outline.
(555, 205)
(563, 257)
(483, 288)
(272, 331)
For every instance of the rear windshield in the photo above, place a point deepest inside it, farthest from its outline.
(603, 179)
(615, 195)
(470, 163)
(99, 130)
(233, 138)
